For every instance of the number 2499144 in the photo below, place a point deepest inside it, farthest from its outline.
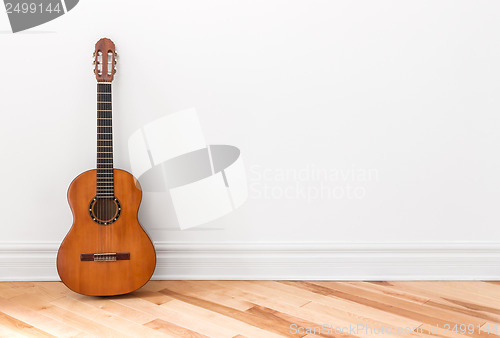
(32, 8)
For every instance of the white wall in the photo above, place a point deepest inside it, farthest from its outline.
(404, 95)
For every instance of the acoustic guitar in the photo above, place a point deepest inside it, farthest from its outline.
(106, 252)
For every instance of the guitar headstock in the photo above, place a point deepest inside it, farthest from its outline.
(104, 60)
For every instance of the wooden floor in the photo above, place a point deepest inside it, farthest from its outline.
(255, 309)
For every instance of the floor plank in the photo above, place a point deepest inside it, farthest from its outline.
(239, 309)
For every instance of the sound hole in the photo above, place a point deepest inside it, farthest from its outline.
(104, 210)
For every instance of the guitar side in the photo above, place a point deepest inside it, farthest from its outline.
(130, 258)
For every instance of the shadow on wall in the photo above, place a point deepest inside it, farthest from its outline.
(186, 181)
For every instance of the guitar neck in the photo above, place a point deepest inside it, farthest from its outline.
(105, 179)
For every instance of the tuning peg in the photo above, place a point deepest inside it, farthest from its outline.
(93, 62)
(114, 71)
(93, 54)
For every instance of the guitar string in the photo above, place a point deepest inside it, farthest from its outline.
(105, 185)
(99, 192)
(109, 129)
(97, 201)
(104, 89)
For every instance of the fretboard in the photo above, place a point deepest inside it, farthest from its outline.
(105, 181)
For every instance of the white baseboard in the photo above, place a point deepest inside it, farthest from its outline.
(285, 260)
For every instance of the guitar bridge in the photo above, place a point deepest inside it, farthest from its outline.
(105, 257)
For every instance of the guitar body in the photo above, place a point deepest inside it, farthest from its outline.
(105, 259)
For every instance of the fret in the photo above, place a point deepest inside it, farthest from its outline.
(104, 105)
(104, 97)
(106, 87)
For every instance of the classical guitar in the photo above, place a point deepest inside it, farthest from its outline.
(106, 252)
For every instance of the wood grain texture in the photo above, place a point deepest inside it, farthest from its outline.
(251, 309)
(124, 235)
